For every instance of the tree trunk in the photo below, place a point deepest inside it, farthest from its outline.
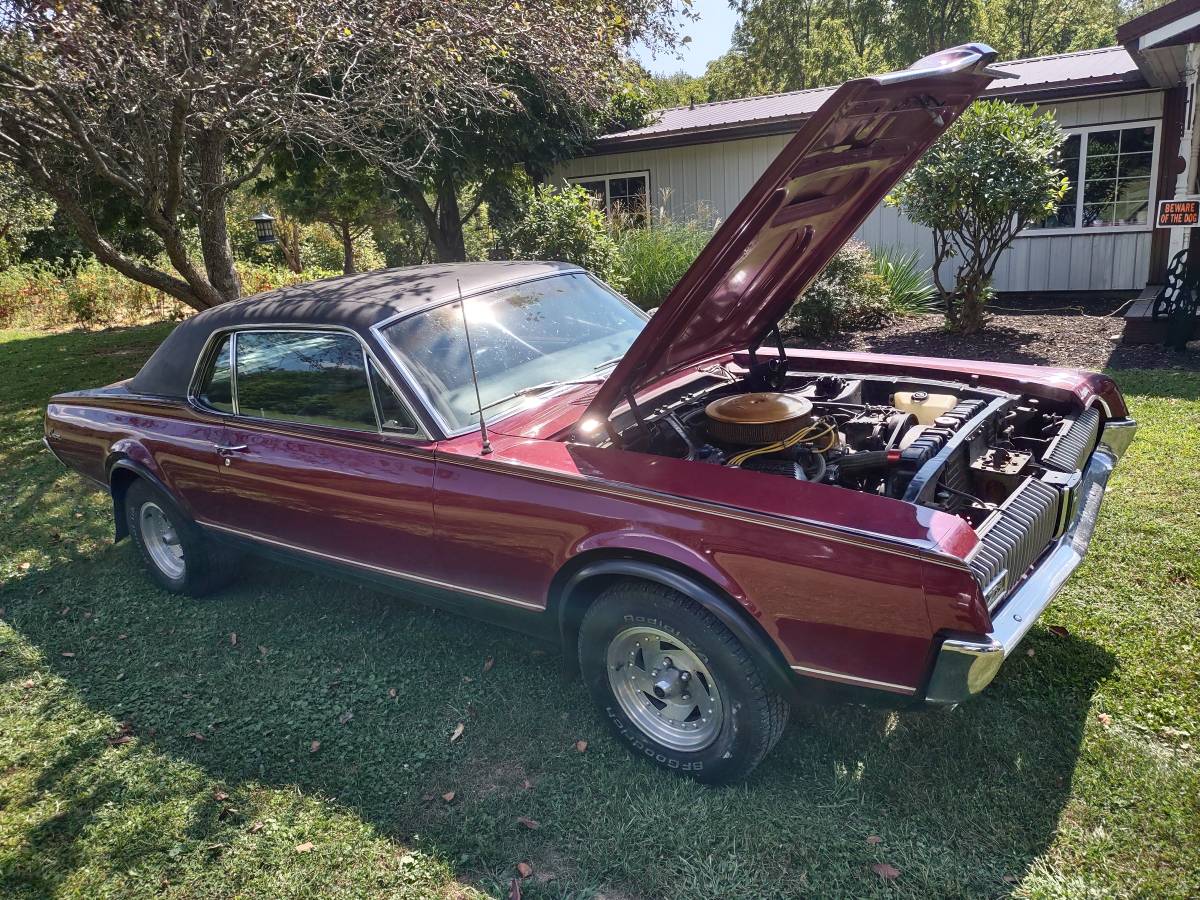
(450, 224)
(288, 234)
(214, 225)
(347, 249)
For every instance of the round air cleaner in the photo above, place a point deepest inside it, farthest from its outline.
(757, 418)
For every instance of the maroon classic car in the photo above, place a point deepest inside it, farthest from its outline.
(710, 525)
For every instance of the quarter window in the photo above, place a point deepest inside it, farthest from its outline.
(218, 387)
(1109, 172)
(393, 415)
(309, 377)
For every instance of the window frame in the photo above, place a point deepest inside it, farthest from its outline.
(1152, 197)
(606, 178)
(206, 358)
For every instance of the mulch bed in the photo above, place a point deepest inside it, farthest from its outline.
(1086, 335)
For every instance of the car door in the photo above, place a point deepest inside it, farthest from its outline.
(322, 457)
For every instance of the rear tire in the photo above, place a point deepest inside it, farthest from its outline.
(676, 684)
(175, 552)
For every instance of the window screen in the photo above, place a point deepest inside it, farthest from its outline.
(217, 391)
(310, 377)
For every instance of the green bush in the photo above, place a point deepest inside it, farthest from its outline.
(562, 224)
(653, 259)
(909, 283)
(34, 295)
(846, 295)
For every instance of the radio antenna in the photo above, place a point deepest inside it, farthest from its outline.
(487, 445)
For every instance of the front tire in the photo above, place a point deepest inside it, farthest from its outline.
(676, 684)
(175, 552)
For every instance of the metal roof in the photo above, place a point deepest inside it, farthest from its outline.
(1061, 75)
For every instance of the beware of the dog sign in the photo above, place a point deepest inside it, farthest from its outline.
(1178, 213)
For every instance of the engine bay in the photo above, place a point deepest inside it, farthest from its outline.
(959, 448)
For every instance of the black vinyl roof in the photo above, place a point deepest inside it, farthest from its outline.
(350, 301)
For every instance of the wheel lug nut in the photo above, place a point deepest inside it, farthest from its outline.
(685, 676)
(666, 662)
(654, 673)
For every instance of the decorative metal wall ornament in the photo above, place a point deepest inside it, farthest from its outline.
(1178, 301)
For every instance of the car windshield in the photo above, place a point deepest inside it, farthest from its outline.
(526, 339)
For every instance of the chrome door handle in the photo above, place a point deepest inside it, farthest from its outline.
(228, 450)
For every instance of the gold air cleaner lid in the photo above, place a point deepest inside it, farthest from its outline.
(757, 418)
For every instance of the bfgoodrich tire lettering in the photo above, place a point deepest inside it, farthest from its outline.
(752, 716)
(175, 552)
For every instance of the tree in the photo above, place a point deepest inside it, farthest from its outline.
(174, 104)
(346, 194)
(22, 212)
(921, 27)
(1024, 28)
(566, 225)
(992, 173)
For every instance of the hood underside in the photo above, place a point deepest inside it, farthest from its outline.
(806, 205)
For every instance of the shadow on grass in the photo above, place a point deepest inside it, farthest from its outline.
(964, 797)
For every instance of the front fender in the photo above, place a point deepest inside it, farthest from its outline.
(574, 594)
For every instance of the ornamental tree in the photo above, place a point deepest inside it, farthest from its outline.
(996, 170)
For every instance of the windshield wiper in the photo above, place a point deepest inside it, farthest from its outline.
(608, 362)
(539, 389)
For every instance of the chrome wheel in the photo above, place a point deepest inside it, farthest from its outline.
(664, 688)
(161, 540)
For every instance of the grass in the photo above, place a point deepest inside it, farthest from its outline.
(145, 753)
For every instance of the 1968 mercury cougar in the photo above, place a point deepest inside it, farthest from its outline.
(710, 525)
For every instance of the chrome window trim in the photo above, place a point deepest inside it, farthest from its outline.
(378, 328)
(419, 433)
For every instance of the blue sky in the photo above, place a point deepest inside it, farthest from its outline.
(710, 36)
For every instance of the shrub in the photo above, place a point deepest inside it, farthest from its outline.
(653, 259)
(846, 295)
(909, 285)
(562, 224)
(992, 173)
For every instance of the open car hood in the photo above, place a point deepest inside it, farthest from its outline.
(806, 205)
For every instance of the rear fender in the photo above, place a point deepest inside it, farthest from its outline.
(127, 462)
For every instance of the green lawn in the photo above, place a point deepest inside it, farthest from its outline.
(145, 752)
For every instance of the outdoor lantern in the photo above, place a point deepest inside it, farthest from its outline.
(264, 227)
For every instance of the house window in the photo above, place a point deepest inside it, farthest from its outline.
(1115, 168)
(624, 194)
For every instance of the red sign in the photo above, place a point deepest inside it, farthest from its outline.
(1178, 213)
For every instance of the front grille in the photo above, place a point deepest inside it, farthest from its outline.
(1069, 451)
(1013, 538)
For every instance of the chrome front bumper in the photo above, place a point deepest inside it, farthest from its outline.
(964, 667)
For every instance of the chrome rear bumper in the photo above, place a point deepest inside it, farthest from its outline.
(964, 667)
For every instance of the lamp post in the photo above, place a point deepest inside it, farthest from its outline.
(264, 227)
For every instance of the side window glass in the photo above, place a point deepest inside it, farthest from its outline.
(393, 414)
(314, 378)
(217, 390)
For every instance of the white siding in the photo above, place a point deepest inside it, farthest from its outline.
(714, 177)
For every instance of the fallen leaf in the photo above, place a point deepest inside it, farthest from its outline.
(392, 693)
(28, 683)
(531, 824)
(472, 711)
(121, 637)
(233, 638)
(117, 740)
(1029, 652)
(874, 839)
(24, 567)
(488, 663)
(458, 732)
(1059, 631)
(1010, 879)
(514, 890)
(524, 869)
(227, 813)
(68, 654)
(527, 784)
(255, 827)
(1104, 719)
(220, 796)
(448, 796)
(263, 650)
(197, 735)
(306, 847)
(467, 679)
(885, 871)
(427, 798)
(581, 746)
(345, 717)
(314, 746)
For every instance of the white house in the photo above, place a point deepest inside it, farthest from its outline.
(1128, 109)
